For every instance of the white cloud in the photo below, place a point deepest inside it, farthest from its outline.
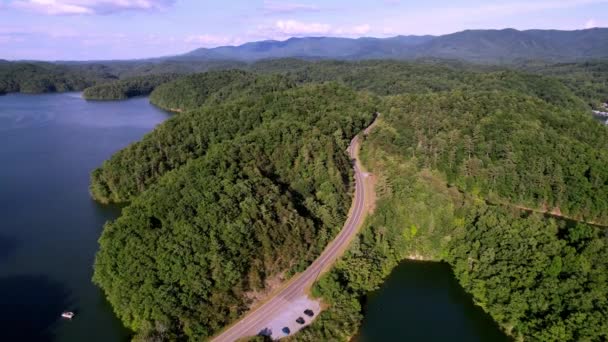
(271, 6)
(525, 7)
(279, 30)
(76, 7)
(459, 17)
(590, 24)
(293, 27)
(361, 29)
(283, 29)
(209, 40)
(33, 30)
(7, 38)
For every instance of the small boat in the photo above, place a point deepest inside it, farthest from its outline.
(68, 314)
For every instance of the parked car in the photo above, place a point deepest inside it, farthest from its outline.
(300, 320)
(309, 313)
(286, 331)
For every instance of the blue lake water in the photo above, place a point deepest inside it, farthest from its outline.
(49, 144)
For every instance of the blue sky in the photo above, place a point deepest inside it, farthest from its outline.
(122, 29)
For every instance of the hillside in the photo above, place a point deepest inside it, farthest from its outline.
(37, 77)
(122, 177)
(180, 260)
(188, 135)
(216, 86)
(250, 180)
(588, 80)
(453, 169)
(127, 88)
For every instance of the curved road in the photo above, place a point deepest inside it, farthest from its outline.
(256, 321)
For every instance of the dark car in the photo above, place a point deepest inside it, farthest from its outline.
(309, 313)
(300, 320)
(286, 330)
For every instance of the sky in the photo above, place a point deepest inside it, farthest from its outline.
(127, 29)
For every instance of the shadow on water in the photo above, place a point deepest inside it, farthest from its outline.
(109, 211)
(31, 305)
(8, 245)
(423, 301)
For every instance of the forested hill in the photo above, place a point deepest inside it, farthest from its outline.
(510, 148)
(243, 191)
(119, 80)
(250, 181)
(188, 135)
(588, 80)
(125, 78)
(454, 169)
(127, 88)
(123, 176)
(488, 46)
(48, 78)
(195, 90)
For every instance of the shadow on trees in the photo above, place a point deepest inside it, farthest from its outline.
(265, 335)
(31, 305)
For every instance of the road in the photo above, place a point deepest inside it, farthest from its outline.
(256, 321)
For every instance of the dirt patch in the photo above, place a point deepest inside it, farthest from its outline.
(370, 192)
(418, 257)
(270, 285)
(556, 211)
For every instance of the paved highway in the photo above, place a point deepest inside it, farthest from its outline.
(255, 321)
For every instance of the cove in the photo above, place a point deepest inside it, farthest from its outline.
(422, 301)
(49, 144)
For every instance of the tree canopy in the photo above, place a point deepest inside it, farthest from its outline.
(454, 169)
(181, 257)
(250, 181)
(127, 88)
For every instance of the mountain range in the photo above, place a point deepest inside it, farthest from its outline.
(507, 45)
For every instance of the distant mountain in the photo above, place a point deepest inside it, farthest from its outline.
(313, 47)
(506, 45)
(509, 45)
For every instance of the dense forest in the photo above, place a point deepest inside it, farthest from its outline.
(506, 146)
(48, 78)
(183, 255)
(187, 136)
(414, 217)
(498, 170)
(215, 87)
(542, 280)
(588, 80)
(41, 77)
(249, 181)
(438, 163)
(128, 87)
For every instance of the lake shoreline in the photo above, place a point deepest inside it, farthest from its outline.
(52, 142)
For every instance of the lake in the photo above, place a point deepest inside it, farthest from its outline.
(49, 144)
(50, 226)
(422, 301)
